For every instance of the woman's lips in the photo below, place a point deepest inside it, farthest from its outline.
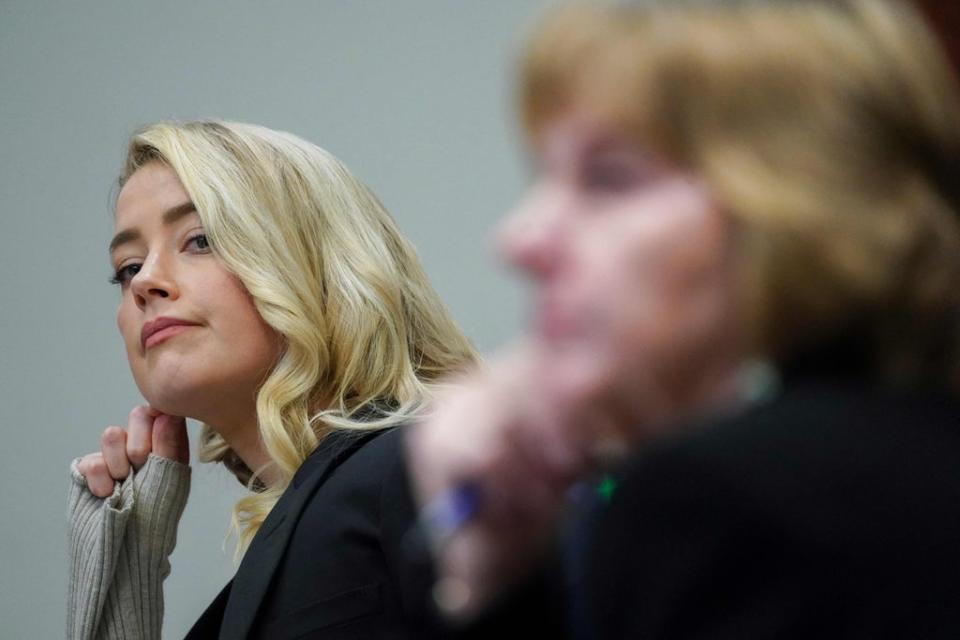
(161, 335)
(156, 331)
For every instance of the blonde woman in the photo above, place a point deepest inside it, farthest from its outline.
(265, 292)
(723, 183)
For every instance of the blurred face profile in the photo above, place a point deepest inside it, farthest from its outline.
(631, 263)
(194, 339)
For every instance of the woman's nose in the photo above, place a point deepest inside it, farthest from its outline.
(532, 237)
(154, 280)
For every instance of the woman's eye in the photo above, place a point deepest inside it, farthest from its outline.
(199, 243)
(610, 177)
(125, 274)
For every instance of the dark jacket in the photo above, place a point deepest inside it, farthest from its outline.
(328, 560)
(831, 511)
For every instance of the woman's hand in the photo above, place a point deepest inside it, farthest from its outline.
(122, 450)
(504, 432)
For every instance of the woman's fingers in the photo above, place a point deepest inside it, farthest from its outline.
(170, 438)
(113, 446)
(94, 469)
(139, 435)
(148, 430)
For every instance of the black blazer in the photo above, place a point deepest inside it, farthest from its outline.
(328, 562)
(832, 511)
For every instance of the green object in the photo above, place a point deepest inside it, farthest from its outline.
(606, 488)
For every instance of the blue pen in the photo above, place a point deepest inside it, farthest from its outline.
(443, 516)
(448, 512)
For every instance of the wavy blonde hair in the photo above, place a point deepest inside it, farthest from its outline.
(829, 132)
(327, 269)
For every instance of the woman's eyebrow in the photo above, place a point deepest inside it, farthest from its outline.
(173, 214)
(123, 237)
(170, 216)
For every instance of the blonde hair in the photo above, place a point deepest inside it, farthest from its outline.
(829, 132)
(327, 269)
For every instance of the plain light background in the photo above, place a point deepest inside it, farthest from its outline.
(416, 96)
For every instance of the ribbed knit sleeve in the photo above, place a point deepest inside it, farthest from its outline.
(119, 550)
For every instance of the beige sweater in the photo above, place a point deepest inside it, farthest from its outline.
(119, 549)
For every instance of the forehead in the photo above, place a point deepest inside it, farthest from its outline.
(150, 191)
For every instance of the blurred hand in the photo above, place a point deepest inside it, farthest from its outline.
(122, 450)
(503, 431)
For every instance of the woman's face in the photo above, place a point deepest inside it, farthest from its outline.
(196, 345)
(631, 262)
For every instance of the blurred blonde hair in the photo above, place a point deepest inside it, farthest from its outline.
(827, 130)
(327, 269)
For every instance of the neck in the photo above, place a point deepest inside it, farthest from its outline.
(241, 432)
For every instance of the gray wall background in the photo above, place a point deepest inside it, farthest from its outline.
(415, 96)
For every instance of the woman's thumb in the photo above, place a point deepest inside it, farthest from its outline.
(170, 438)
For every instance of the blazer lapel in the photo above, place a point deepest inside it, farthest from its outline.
(208, 625)
(269, 544)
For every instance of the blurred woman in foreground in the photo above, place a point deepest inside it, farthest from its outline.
(721, 184)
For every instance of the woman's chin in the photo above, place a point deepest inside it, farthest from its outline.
(174, 402)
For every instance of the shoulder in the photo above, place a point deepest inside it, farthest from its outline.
(347, 449)
(824, 462)
(818, 431)
(383, 446)
(361, 456)
(348, 473)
